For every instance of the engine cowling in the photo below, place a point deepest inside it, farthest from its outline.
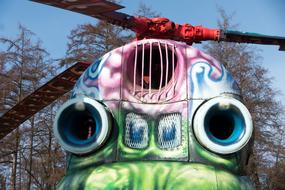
(223, 125)
(82, 125)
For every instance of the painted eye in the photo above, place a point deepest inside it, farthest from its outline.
(82, 125)
(223, 125)
(169, 131)
(136, 131)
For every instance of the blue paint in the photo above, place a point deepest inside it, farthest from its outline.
(96, 68)
(238, 126)
(92, 86)
(95, 65)
(136, 133)
(169, 133)
(200, 76)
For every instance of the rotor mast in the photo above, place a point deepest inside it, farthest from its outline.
(166, 29)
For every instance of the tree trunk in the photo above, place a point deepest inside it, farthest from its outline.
(31, 153)
(50, 164)
(254, 172)
(3, 183)
(15, 162)
(20, 170)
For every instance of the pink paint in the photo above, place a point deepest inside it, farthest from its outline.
(128, 73)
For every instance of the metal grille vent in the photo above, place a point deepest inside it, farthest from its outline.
(169, 131)
(136, 131)
(153, 70)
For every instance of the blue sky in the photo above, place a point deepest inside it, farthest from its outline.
(53, 25)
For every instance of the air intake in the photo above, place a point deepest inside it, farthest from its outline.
(154, 65)
(82, 125)
(223, 125)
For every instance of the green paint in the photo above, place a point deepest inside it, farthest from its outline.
(188, 166)
(229, 162)
(154, 175)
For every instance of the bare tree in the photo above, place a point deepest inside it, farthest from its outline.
(90, 41)
(25, 65)
(145, 10)
(243, 61)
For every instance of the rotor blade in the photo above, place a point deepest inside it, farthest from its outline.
(41, 98)
(100, 9)
(254, 38)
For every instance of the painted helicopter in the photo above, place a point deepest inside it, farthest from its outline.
(155, 113)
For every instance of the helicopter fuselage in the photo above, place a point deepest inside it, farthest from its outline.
(161, 115)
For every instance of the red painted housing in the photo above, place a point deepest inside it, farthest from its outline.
(164, 28)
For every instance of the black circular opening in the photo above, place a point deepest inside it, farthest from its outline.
(221, 125)
(84, 126)
(78, 127)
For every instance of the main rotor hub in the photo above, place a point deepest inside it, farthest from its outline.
(164, 28)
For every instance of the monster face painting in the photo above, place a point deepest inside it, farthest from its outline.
(155, 114)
